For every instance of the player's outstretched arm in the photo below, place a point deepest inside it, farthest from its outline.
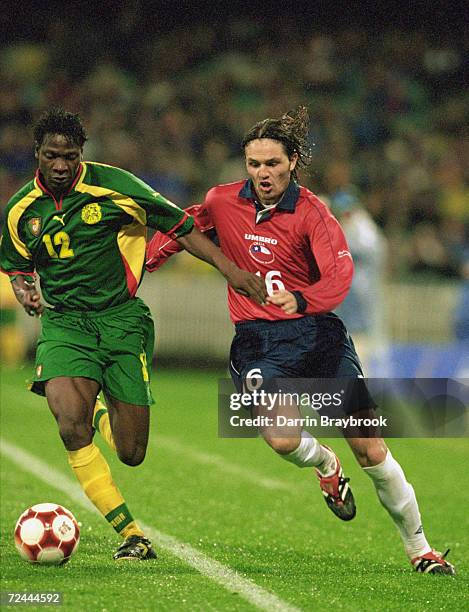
(243, 282)
(27, 295)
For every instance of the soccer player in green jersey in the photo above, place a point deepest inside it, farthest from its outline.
(81, 227)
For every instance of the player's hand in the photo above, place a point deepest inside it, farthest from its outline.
(32, 304)
(28, 296)
(247, 284)
(285, 299)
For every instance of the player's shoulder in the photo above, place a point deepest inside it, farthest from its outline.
(312, 204)
(29, 191)
(225, 190)
(105, 175)
(97, 172)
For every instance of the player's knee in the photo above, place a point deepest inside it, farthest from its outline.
(132, 457)
(282, 446)
(75, 435)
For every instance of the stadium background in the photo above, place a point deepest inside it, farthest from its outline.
(166, 90)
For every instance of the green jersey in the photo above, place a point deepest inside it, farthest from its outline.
(89, 247)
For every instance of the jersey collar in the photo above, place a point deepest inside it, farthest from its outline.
(287, 202)
(78, 178)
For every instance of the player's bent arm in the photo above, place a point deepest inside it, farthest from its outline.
(243, 282)
(16, 262)
(161, 247)
(24, 288)
(334, 261)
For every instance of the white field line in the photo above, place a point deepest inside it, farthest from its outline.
(219, 573)
(246, 472)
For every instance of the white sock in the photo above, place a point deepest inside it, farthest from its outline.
(398, 497)
(310, 452)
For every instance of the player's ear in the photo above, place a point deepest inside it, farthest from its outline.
(293, 161)
(36, 151)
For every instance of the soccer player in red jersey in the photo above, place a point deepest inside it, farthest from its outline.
(272, 226)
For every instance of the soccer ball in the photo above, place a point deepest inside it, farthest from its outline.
(47, 534)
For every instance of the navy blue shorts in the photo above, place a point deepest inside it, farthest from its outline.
(313, 347)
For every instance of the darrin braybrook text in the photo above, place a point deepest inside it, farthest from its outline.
(323, 421)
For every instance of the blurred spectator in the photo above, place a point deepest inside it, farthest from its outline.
(12, 333)
(427, 254)
(173, 107)
(363, 310)
(461, 315)
(453, 191)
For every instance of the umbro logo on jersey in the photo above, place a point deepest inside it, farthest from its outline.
(343, 254)
(260, 238)
(261, 253)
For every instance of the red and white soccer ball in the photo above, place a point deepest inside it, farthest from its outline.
(47, 534)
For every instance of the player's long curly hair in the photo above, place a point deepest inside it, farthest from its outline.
(291, 130)
(58, 121)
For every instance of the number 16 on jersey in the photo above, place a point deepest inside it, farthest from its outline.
(273, 281)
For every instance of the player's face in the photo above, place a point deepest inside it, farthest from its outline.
(269, 168)
(58, 161)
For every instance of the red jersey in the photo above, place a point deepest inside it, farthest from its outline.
(298, 246)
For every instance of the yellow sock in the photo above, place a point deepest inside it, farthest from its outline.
(95, 478)
(102, 423)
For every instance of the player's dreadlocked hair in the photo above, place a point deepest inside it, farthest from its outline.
(58, 121)
(291, 130)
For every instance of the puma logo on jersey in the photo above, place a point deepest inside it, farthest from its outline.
(59, 218)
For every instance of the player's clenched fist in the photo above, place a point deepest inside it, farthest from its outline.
(285, 299)
(28, 296)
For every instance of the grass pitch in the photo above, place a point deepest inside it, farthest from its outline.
(238, 505)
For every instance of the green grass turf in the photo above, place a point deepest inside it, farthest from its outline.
(285, 540)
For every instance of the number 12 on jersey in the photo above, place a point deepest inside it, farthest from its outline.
(273, 281)
(61, 239)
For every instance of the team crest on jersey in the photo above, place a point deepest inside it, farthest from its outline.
(91, 213)
(261, 253)
(35, 225)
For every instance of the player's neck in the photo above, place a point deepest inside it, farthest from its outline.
(268, 206)
(57, 194)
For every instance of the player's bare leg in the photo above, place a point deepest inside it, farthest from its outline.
(72, 401)
(297, 446)
(398, 498)
(124, 427)
(130, 425)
